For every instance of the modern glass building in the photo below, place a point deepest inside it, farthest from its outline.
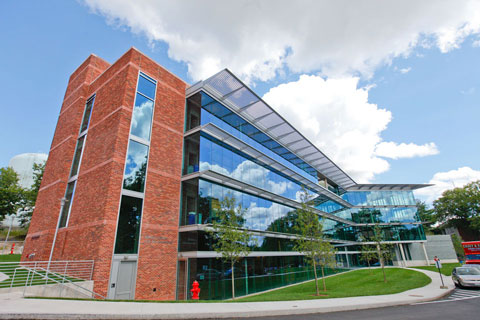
(149, 161)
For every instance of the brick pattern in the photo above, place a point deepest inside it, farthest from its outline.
(90, 233)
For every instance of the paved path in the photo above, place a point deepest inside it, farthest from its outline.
(14, 307)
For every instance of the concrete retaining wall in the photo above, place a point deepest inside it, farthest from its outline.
(67, 290)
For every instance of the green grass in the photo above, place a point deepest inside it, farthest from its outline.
(446, 268)
(351, 284)
(10, 257)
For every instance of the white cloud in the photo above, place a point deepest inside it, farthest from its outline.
(405, 70)
(468, 92)
(336, 116)
(394, 150)
(447, 180)
(257, 39)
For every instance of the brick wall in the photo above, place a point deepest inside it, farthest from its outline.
(90, 233)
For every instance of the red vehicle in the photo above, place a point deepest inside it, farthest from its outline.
(472, 252)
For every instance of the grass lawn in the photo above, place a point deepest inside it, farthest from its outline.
(10, 257)
(446, 268)
(351, 284)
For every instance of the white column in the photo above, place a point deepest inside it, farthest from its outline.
(425, 252)
(403, 254)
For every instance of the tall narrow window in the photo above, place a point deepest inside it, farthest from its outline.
(128, 225)
(77, 159)
(136, 167)
(68, 203)
(130, 216)
(87, 114)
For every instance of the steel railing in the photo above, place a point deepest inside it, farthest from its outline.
(55, 277)
(16, 274)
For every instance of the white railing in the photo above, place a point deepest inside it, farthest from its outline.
(58, 279)
(22, 273)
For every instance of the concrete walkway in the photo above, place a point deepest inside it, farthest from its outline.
(13, 306)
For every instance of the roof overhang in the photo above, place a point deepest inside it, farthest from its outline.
(387, 187)
(226, 88)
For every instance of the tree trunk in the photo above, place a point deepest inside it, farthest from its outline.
(233, 281)
(316, 279)
(382, 263)
(323, 277)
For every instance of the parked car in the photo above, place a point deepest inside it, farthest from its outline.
(238, 273)
(209, 274)
(472, 266)
(466, 277)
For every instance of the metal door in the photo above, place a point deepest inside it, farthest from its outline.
(125, 282)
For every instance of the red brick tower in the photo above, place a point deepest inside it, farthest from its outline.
(92, 216)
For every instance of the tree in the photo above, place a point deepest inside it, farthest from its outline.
(11, 194)
(231, 241)
(457, 244)
(460, 207)
(368, 252)
(427, 216)
(311, 240)
(384, 250)
(30, 195)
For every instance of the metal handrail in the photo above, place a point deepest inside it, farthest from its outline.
(57, 275)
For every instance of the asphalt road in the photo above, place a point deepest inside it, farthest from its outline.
(461, 304)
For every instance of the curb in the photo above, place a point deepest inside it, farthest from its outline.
(249, 309)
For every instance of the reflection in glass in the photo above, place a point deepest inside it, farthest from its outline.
(146, 86)
(128, 225)
(76, 157)
(136, 167)
(87, 114)
(68, 204)
(142, 117)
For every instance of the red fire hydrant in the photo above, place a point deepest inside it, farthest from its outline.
(195, 290)
(13, 247)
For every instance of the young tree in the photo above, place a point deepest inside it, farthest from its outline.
(384, 250)
(11, 194)
(368, 252)
(31, 194)
(311, 241)
(231, 240)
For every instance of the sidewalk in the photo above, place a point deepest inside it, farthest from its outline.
(13, 306)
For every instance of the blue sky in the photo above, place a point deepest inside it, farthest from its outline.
(410, 82)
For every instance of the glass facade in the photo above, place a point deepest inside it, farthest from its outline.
(271, 220)
(379, 198)
(203, 152)
(252, 275)
(210, 111)
(201, 200)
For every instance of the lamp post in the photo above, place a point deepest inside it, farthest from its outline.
(63, 201)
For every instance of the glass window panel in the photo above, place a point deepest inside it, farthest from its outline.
(68, 204)
(147, 87)
(77, 156)
(136, 167)
(142, 117)
(86, 115)
(128, 225)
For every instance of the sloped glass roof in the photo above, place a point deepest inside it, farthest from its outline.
(287, 141)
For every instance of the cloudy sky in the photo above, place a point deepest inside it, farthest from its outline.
(388, 90)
